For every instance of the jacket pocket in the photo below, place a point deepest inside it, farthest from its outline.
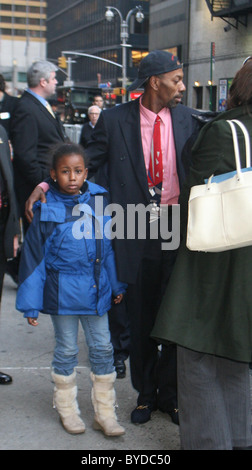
(77, 293)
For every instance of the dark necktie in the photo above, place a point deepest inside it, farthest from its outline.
(155, 172)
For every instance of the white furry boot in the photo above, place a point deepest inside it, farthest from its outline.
(103, 399)
(65, 400)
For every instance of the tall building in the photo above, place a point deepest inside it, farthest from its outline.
(81, 26)
(170, 28)
(22, 39)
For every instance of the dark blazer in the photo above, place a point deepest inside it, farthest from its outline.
(116, 140)
(33, 132)
(6, 170)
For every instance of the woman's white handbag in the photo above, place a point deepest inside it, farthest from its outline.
(220, 211)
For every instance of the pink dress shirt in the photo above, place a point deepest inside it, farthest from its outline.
(170, 188)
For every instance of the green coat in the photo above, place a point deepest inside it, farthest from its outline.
(207, 306)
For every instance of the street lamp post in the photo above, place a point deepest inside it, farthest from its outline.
(124, 35)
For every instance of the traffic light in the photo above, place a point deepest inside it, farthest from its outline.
(62, 62)
(119, 91)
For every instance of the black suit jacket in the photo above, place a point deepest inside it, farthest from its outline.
(33, 132)
(116, 141)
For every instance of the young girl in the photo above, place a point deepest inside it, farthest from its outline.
(68, 272)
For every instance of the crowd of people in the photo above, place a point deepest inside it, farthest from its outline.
(183, 318)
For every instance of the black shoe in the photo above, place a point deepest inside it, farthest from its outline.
(174, 416)
(120, 368)
(141, 414)
(5, 379)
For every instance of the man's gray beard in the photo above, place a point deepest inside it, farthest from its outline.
(172, 104)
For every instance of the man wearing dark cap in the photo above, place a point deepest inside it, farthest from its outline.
(123, 139)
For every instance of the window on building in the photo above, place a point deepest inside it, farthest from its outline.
(22, 77)
(136, 57)
(198, 97)
(6, 7)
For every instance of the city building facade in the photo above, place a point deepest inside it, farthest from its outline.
(220, 40)
(169, 28)
(211, 37)
(22, 39)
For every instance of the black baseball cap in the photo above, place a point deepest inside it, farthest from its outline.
(155, 63)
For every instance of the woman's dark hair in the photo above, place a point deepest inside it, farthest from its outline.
(61, 150)
(240, 93)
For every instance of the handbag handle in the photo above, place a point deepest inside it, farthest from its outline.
(236, 145)
(247, 141)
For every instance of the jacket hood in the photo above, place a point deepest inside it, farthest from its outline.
(55, 208)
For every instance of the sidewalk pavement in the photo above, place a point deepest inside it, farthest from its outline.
(27, 418)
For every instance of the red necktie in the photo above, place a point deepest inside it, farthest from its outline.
(155, 172)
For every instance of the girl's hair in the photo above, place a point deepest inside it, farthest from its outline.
(62, 150)
(240, 93)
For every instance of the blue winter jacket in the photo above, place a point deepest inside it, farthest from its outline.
(67, 264)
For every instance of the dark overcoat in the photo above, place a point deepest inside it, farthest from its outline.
(116, 141)
(12, 223)
(86, 133)
(207, 306)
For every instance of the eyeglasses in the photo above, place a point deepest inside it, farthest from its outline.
(247, 59)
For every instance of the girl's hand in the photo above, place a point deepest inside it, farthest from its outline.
(118, 299)
(32, 321)
(15, 245)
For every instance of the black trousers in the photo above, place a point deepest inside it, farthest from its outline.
(153, 371)
(119, 326)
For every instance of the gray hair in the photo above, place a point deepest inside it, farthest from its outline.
(38, 70)
(94, 107)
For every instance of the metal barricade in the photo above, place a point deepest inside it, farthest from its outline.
(73, 131)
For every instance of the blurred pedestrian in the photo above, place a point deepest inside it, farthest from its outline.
(98, 101)
(207, 307)
(87, 128)
(8, 104)
(9, 222)
(73, 281)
